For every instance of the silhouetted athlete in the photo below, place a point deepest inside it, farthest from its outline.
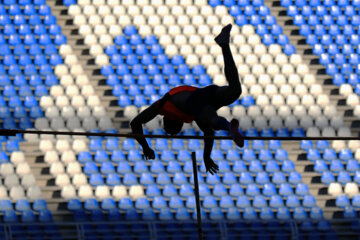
(186, 104)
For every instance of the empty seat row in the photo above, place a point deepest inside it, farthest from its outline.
(88, 123)
(18, 192)
(350, 189)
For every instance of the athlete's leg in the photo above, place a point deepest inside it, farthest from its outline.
(207, 118)
(228, 94)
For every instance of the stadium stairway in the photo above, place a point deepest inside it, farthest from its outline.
(297, 155)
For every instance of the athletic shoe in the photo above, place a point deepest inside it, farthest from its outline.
(236, 135)
(224, 37)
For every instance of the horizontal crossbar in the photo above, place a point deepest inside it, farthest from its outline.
(13, 132)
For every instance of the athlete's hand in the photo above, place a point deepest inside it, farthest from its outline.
(149, 153)
(211, 166)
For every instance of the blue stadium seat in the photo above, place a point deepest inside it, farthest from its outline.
(91, 204)
(28, 216)
(283, 213)
(313, 154)
(84, 156)
(269, 189)
(278, 178)
(233, 214)
(259, 201)
(159, 202)
(345, 154)
(163, 178)
(309, 201)
(10, 216)
(320, 166)
(219, 190)
(96, 179)
(236, 190)
(249, 213)
(245, 178)
(356, 201)
(142, 203)
(101, 156)
(22, 205)
(266, 213)
(329, 154)
(292, 201)
(276, 202)
(107, 168)
(252, 190)
(186, 190)
(248, 155)
(129, 179)
(165, 214)
(243, 202)
(212, 179)
(175, 202)
(272, 166)
(224, 166)
(285, 189)
(125, 203)
(39, 204)
(281, 155)
(117, 155)
(301, 189)
(349, 212)
(5, 205)
(265, 155)
(262, 178)
(146, 178)
(343, 177)
(336, 165)
(352, 165)
(327, 177)
(112, 179)
(152, 191)
(316, 213)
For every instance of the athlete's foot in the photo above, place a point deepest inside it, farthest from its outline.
(236, 135)
(224, 37)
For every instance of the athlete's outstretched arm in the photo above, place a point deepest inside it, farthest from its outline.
(136, 126)
(210, 165)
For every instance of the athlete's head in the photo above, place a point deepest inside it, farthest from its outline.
(172, 127)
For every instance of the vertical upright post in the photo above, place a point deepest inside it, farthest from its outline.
(197, 197)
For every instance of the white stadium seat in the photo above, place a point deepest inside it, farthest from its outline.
(291, 122)
(17, 193)
(299, 111)
(85, 191)
(269, 111)
(335, 189)
(119, 191)
(238, 111)
(314, 111)
(136, 191)
(344, 132)
(68, 156)
(17, 157)
(23, 169)
(102, 192)
(328, 132)
(79, 145)
(338, 145)
(351, 189)
(79, 180)
(73, 168)
(354, 145)
(313, 132)
(260, 123)
(28, 180)
(62, 180)
(11, 181)
(306, 122)
(275, 122)
(3, 193)
(68, 192)
(262, 100)
(245, 122)
(56, 168)
(253, 111)
(284, 111)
